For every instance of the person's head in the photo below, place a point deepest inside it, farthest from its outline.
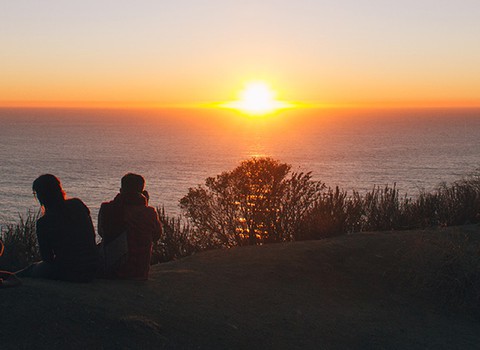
(132, 183)
(48, 190)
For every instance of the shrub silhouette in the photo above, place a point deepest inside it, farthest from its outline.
(20, 243)
(257, 202)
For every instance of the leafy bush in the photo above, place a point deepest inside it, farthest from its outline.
(254, 203)
(257, 197)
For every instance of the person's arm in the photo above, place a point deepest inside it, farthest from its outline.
(46, 250)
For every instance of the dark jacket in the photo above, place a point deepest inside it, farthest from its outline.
(66, 238)
(129, 213)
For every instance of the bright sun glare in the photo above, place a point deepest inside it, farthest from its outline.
(257, 99)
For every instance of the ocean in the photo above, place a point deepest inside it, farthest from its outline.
(91, 149)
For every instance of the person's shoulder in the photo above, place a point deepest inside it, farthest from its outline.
(105, 206)
(113, 202)
(151, 209)
(76, 203)
(152, 213)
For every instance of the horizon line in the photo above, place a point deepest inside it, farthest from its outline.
(217, 105)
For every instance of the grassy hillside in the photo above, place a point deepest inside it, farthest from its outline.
(408, 290)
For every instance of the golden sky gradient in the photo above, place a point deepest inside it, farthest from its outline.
(194, 52)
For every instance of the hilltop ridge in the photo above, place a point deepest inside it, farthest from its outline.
(351, 292)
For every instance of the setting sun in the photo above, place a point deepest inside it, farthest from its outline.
(257, 99)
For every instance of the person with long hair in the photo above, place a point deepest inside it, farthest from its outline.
(65, 233)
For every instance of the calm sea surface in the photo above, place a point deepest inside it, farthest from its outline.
(90, 150)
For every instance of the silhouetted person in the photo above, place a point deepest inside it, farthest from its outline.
(128, 227)
(66, 236)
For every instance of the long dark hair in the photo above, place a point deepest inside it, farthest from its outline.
(49, 191)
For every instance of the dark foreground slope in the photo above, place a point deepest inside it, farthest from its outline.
(365, 291)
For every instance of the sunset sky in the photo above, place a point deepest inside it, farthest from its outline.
(187, 52)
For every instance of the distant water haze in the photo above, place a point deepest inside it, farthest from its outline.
(90, 150)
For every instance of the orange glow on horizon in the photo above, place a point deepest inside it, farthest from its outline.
(246, 107)
(257, 99)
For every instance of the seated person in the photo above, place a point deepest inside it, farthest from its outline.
(66, 236)
(130, 220)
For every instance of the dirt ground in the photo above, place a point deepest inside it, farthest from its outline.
(340, 293)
